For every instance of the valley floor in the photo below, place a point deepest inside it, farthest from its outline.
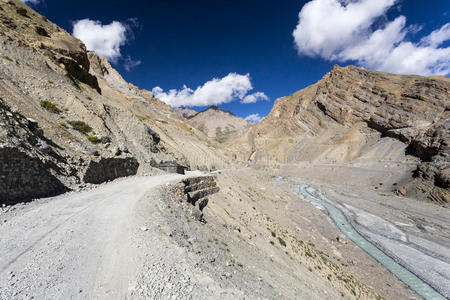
(133, 239)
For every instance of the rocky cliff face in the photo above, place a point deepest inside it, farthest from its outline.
(97, 124)
(353, 114)
(26, 27)
(412, 109)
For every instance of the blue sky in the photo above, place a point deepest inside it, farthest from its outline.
(253, 46)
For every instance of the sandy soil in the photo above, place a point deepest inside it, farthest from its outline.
(133, 239)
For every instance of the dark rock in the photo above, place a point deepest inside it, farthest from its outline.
(22, 11)
(155, 136)
(105, 139)
(42, 31)
(76, 71)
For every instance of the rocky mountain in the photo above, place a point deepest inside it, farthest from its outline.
(186, 112)
(357, 115)
(73, 117)
(77, 118)
(217, 123)
(358, 145)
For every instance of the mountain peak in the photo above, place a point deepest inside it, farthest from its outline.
(216, 108)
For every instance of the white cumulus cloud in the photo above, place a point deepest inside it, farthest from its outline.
(255, 97)
(214, 92)
(106, 40)
(357, 30)
(253, 118)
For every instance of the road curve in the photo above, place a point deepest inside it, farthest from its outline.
(76, 245)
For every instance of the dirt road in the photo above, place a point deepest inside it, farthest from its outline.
(76, 245)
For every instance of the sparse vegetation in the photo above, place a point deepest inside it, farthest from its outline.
(51, 107)
(282, 242)
(89, 97)
(8, 58)
(93, 139)
(80, 126)
(141, 118)
(63, 124)
(274, 234)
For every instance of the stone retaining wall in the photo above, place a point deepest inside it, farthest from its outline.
(106, 169)
(195, 191)
(23, 177)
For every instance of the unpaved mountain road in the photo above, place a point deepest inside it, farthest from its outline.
(78, 245)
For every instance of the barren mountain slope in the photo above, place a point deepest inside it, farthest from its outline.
(186, 112)
(217, 123)
(353, 114)
(94, 124)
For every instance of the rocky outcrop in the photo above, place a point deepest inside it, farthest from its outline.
(186, 112)
(412, 109)
(351, 111)
(107, 169)
(43, 36)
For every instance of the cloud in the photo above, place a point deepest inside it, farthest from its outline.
(214, 92)
(106, 40)
(32, 2)
(255, 97)
(253, 118)
(129, 63)
(358, 30)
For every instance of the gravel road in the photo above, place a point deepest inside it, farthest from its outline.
(78, 245)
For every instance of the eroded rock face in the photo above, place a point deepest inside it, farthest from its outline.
(350, 111)
(106, 169)
(43, 36)
(412, 109)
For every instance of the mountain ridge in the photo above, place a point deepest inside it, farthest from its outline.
(349, 111)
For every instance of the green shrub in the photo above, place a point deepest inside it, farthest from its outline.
(62, 124)
(8, 58)
(141, 118)
(50, 106)
(93, 139)
(80, 126)
(282, 242)
(89, 97)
